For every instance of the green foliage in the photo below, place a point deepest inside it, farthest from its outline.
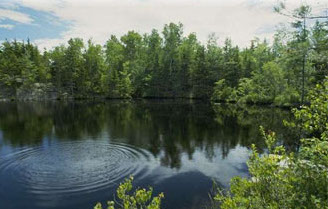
(222, 92)
(313, 119)
(73, 66)
(265, 86)
(170, 64)
(139, 199)
(21, 65)
(201, 76)
(288, 180)
(94, 68)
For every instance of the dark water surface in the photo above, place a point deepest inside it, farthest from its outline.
(71, 155)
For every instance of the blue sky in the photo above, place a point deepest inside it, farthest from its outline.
(42, 25)
(51, 22)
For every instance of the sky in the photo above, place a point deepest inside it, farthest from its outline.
(49, 23)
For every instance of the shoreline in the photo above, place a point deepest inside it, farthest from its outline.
(72, 99)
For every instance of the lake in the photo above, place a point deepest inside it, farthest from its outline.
(70, 155)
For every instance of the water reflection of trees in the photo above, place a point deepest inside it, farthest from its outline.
(25, 124)
(168, 129)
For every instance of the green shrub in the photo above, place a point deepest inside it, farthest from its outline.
(288, 180)
(139, 199)
(222, 92)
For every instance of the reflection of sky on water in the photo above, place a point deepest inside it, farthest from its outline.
(217, 168)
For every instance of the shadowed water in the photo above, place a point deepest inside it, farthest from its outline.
(71, 155)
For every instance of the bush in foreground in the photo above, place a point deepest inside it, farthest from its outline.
(139, 199)
(288, 180)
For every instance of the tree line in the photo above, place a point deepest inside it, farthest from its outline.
(172, 65)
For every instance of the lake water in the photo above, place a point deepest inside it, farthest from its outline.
(70, 155)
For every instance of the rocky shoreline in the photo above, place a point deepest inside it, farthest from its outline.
(35, 92)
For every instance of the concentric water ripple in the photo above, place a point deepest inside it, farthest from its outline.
(75, 167)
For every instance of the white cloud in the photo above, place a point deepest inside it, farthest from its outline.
(241, 20)
(44, 5)
(7, 26)
(15, 16)
(49, 43)
(8, 4)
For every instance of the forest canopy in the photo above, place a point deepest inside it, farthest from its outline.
(169, 64)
